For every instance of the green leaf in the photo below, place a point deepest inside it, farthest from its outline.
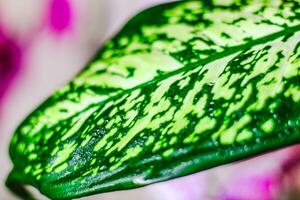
(183, 87)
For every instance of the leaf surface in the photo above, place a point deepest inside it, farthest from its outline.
(183, 87)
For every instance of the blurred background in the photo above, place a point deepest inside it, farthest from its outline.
(43, 44)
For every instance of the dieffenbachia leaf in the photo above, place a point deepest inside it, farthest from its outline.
(183, 87)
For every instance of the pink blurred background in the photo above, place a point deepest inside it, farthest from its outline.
(43, 44)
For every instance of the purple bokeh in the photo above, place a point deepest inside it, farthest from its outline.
(60, 16)
(10, 61)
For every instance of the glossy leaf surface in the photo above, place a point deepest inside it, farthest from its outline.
(183, 87)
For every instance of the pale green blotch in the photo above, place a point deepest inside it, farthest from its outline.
(168, 46)
(268, 126)
(103, 141)
(205, 124)
(244, 135)
(239, 104)
(294, 93)
(124, 41)
(222, 87)
(131, 100)
(150, 140)
(136, 44)
(54, 151)
(227, 136)
(150, 110)
(157, 146)
(146, 65)
(95, 171)
(112, 159)
(109, 144)
(168, 153)
(39, 177)
(15, 138)
(273, 106)
(184, 82)
(27, 169)
(110, 124)
(32, 156)
(37, 172)
(173, 140)
(77, 125)
(130, 116)
(62, 156)
(180, 12)
(181, 32)
(30, 147)
(61, 168)
(268, 91)
(21, 147)
(223, 2)
(155, 123)
(87, 139)
(93, 161)
(113, 112)
(132, 152)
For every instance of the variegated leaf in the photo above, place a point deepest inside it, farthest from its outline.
(183, 87)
